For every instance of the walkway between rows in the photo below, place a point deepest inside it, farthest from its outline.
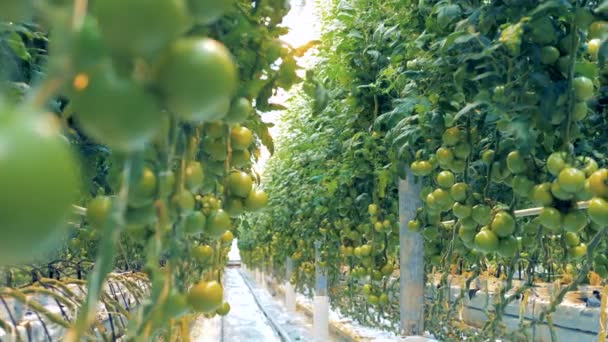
(247, 320)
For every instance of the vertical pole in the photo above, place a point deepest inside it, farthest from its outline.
(411, 263)
(290, 292)
(321, 300)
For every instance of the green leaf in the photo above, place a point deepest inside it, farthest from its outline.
(265, 137)
(550, 5)
(469, 107)
(447, 14)
(586, 69)
(16, 44)
(602, 8)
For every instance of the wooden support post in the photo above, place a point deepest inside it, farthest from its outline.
(411, 262)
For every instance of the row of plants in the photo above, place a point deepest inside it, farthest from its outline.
(128, 133)
(494, 106)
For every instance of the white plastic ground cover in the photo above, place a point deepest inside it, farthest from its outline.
(27, 324)
(571, 321)
(361, 332)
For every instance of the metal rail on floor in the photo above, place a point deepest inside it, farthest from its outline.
(282, 334)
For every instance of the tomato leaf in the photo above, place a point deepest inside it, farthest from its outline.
(602, 8)
(469, 107)
(16, 44)
(447, 14)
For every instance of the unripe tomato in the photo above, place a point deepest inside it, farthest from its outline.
(240, 184)
(549, 55)
(39, 182)
(115, 111)
(194, 176)
(593, 47)
(202, 253)
(227, 237)
(143, 189)
(239, 111)
(414, 225)
(421, 168)
(184, 201)
(444, 155)
(597, 29)
(571, 179)
(206, 296)
(224, 309)
(551, 218)
(503, 224)
(195, 222)
(445, 179)
(387, 269)
(459, 191)
(442, 197)
(140, 27)
(98, 211)
(583, 88)
(598, 183)
(198, 78)
(461, 210)
(486, 241)
(466, 235)
(256, 200)
(575, 221)
(372, 209)
(241, 158)
(451, 136)
(589, 165)
(487, 157)
(516, 162)
(580, 111)
(598, 211)
(556, 163)
(481, 214)
(558, 192)
(218, 223)
(578, 251)
(241, 137)
(572, 239)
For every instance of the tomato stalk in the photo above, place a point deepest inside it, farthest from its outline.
(105, 259)
(571, 98)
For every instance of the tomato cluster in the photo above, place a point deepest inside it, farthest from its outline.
(162, 100)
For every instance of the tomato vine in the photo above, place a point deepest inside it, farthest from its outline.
(496, 107)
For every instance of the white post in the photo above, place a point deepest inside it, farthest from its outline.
(290, 291)
(411, 261)
(321, 300)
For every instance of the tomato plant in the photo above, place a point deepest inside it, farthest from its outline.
(115, 151)
(496, 107)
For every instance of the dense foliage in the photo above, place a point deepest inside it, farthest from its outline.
(128, 133)
(495, 106)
